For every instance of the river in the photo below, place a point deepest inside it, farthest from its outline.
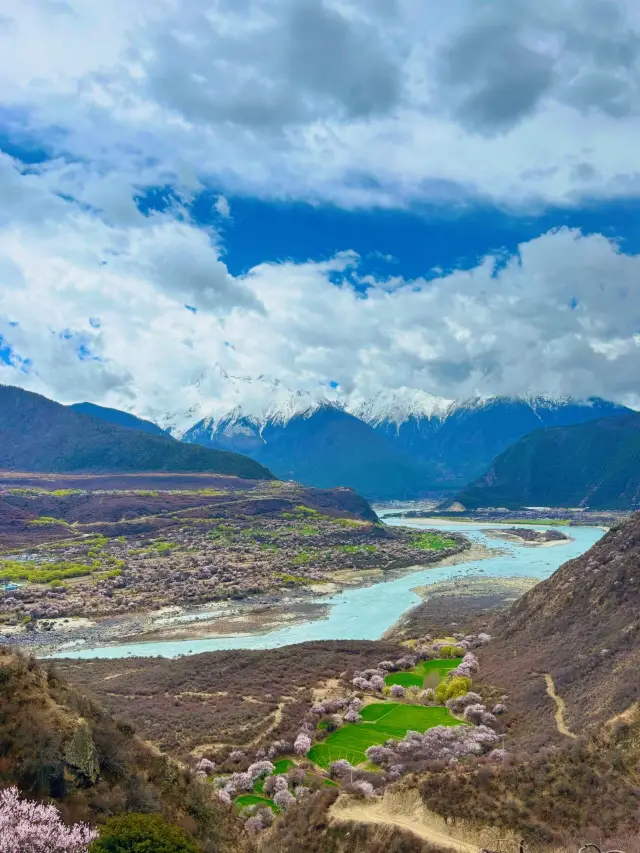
(365, 613)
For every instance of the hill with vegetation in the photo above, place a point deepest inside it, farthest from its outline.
(325, 447)
(37, 434)
(57, 745)
(581, 627)
(118, 417)
(595, 465)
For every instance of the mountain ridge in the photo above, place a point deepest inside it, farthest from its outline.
(38, 434)
(594, 464)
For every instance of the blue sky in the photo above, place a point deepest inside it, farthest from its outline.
(365, 197)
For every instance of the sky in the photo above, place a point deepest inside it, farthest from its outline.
(344, 196)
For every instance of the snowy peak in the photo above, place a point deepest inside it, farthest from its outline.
(399, 406)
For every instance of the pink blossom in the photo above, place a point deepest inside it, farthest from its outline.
(302, 744)
(365, 789)
(474, 713)
(254, 825)
(352, 716)
(30, 827)
(236, 755)
(206, 766)
(499, 708)
(340, 768)
(224, 795)
(284, 799)
(376, 683)
(261, 768)
(397, 691)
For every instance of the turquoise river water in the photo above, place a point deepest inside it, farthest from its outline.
(367, 612)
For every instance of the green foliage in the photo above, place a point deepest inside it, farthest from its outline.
(301, 559)
(433, 542)
(453, 688)
(293, 579)
(245, 800)
(452, 651)
(47, 519)
(162, 547)
(13, 570)
(142, 833)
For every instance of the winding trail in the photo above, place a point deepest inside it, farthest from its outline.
(560, 707)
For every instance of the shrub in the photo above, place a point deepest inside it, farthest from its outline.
(452, 689)
(142, 833)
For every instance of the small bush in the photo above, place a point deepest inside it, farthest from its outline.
(142, 833)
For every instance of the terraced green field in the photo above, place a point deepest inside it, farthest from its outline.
(245, 800)
(380, 721)
(416, 677)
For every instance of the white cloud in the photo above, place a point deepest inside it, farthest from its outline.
(223, 207)
(521, 101)
(343, 101)
(561, 317)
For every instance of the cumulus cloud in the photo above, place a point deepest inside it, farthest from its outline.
(337, 101)
(345, 101)
(99, 311)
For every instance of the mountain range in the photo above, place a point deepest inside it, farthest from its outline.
(403, 445)
(595, 464)
(37, 434)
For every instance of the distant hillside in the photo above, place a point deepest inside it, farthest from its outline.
(117, 417)
(37, 434)
(463, 440)
(594, 464)
(324, 447)
(421, 444)
(58, 744)
(582, 627)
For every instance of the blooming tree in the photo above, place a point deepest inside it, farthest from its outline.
(365, 789)
(254, 824)
(352, 716)
(260, 768)
(397, 691)
(30, 827)
(376, 683)
(284, 799)
(302, 744)
(340, 768)
(236, 755)
(205, 766)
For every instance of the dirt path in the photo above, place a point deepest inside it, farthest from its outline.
(560, 706)
(408, 815)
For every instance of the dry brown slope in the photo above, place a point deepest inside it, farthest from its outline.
(582, 626)
(55, 743)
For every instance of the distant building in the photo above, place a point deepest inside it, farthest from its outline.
(9, 587)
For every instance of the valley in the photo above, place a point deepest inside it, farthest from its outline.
(94, 560)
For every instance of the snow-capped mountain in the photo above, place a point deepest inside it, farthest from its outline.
(402, 443)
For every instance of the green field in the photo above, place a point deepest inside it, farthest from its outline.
(416, 677)
(245, 800)
(381, 721)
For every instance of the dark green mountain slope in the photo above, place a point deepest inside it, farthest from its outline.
(117, 417)
(37, 434)
(594, 464)
(327, 447)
